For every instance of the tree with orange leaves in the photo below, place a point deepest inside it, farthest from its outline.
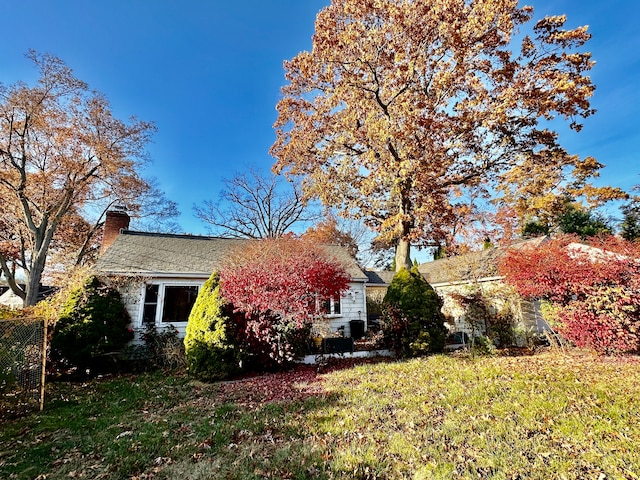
(328, 232)
(61, 151)
(402, 108)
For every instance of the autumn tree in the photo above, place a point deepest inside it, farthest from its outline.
(77, 241)
(594, 287)
(401, 108)
(354, 235)
(253, 205)
(280, 285)
(61, 151)
(328, 232)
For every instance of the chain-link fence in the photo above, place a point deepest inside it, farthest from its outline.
(23, 347)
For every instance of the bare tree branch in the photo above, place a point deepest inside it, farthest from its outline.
(253, 205)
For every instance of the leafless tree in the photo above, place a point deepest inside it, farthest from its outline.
(253, 205)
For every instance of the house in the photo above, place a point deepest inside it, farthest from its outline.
(159, 275)
(10, 300)
(462, 274)
(478, 272)
(377, 283)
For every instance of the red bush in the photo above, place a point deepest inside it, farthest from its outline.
(596, 286)
(607, 321)
(279, 284)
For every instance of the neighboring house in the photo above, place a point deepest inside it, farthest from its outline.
(463, 274)
(11, 300)
(377, 283)
(159, 275)
(478, 271)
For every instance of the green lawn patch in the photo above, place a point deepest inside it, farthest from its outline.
(538, 417)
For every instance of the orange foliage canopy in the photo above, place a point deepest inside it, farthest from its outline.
(402, 108)
(327, 232)
(61, 150)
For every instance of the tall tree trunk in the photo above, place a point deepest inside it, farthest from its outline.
(32, 288)
(403, 255)
(43, 235)
(403, 249)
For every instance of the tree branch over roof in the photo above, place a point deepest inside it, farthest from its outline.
(61, 152)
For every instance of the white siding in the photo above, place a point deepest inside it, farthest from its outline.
(499, 295)
(352, 305)
(132, 295)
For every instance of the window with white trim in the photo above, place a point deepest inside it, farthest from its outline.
(166, 303)
(330, 306)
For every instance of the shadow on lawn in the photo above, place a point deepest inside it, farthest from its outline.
(295, 384)
(165, 425)
(264, 426)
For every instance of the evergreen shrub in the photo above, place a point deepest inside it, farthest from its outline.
(413, 322)
(93, 325)
(211, 345)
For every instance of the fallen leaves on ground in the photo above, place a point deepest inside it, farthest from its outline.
(297, 384)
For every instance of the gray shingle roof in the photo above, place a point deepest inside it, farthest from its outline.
(156, 253)
(379, 277)
(471, 266)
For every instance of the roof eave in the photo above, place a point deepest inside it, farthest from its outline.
(195, 275)
(466, 282)
(145, 274)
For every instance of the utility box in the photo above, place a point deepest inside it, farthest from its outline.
(357, 329)
(338, 345)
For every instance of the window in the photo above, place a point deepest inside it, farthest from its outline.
(178, 301)
(330, 306)
(175, 301)
(150, 304)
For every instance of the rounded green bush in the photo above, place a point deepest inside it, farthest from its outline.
(93, 325)
(413, 322)
(210, 343)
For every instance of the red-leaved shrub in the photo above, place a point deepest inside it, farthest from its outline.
(595, 286)
(608, 320)
(279, 284)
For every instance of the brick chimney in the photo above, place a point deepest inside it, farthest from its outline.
(114, 223)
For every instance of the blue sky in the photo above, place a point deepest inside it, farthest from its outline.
(208, 73)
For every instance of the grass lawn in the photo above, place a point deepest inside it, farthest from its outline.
(532, 417)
